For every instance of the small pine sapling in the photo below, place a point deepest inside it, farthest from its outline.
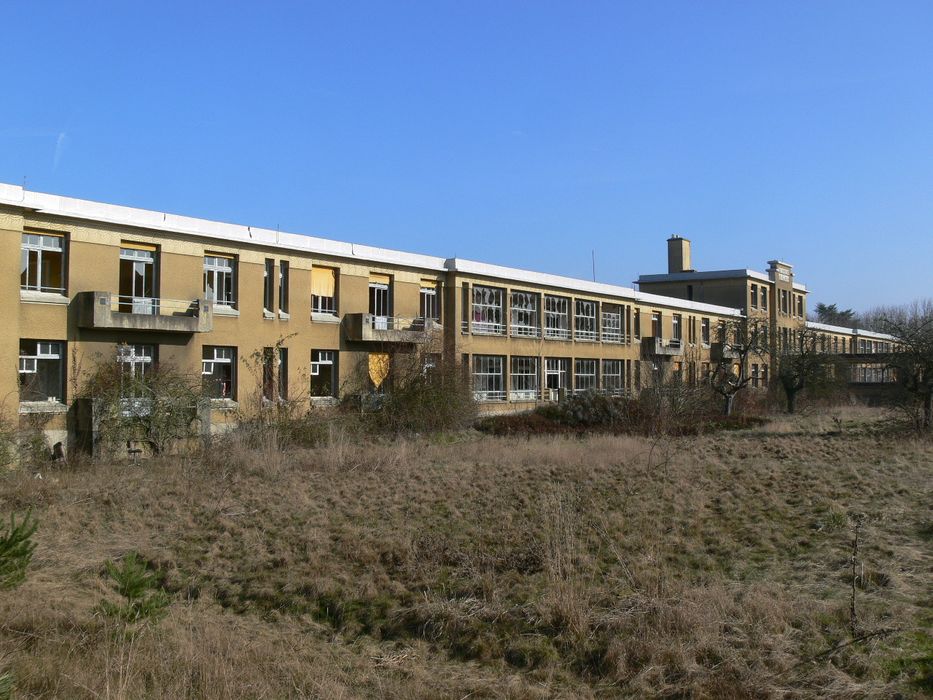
(143, 598)
(16, 550)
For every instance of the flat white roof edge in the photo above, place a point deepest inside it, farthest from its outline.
(849, 331)
(56, 205)
(474, 267)
(703, 275)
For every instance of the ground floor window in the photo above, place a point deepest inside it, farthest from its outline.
(488, 378)
(41, 370)
(135, 363)
(584, 375)
(524, 379)
(323, 373)
(613, 382)
(218, 372)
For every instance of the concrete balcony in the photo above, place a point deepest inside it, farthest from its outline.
(106, 311)
(724, 351)
(368, 328)
(653, 346)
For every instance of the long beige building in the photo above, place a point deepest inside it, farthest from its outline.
(265, 316)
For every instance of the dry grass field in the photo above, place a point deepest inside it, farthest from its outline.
(469, 566)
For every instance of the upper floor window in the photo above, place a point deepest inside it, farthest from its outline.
(428, 305)
(218, 372)
(584, 320)
(380, 299)
(785, 304)
(656, 330)
(283, 286)
(704, 330)
(764, 298)
(800, 306)
(41, 370)
(324, 290)
(612, 324)
(556, 317)
(754, 294)
(138, 278)
(488, 310)
(636, 323)
(525, 321)
(220, 279)
(42, 263)
(268, 286)
(677, 328)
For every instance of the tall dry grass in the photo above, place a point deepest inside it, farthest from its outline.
(458, 565)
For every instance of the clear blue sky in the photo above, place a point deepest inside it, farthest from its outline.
(518, 133)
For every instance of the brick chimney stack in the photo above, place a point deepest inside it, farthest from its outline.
(678, 255)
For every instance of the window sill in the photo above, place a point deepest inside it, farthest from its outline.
(31, 296)
(220, 310)
(42, 407)
(224, 405)
(283, 316)
(317, 317)
(268, 315)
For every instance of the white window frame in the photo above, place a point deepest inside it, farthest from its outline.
(556, 367)
(556, 317)
(489, 377)
(428, 303)
(584, 320)
(41, 244)
(585, 375)
(525, 319)
(612, 379)
(523, 378)
(488, 310)
(677, 330)
(612, 324)
(221, 355)
(46, 351)
(325, 358)
(218, 268)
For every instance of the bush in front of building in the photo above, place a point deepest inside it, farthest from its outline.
(155, 410)
(425, 395)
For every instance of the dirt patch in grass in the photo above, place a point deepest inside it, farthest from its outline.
(523, 567)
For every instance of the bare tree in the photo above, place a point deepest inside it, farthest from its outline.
(804, 365)
(912, 355)
(740, 341)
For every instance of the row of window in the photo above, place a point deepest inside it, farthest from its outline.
(43, 267)
(529, 377)
(589, 320)
(791, 304)
(759, 297)
(42, 370)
